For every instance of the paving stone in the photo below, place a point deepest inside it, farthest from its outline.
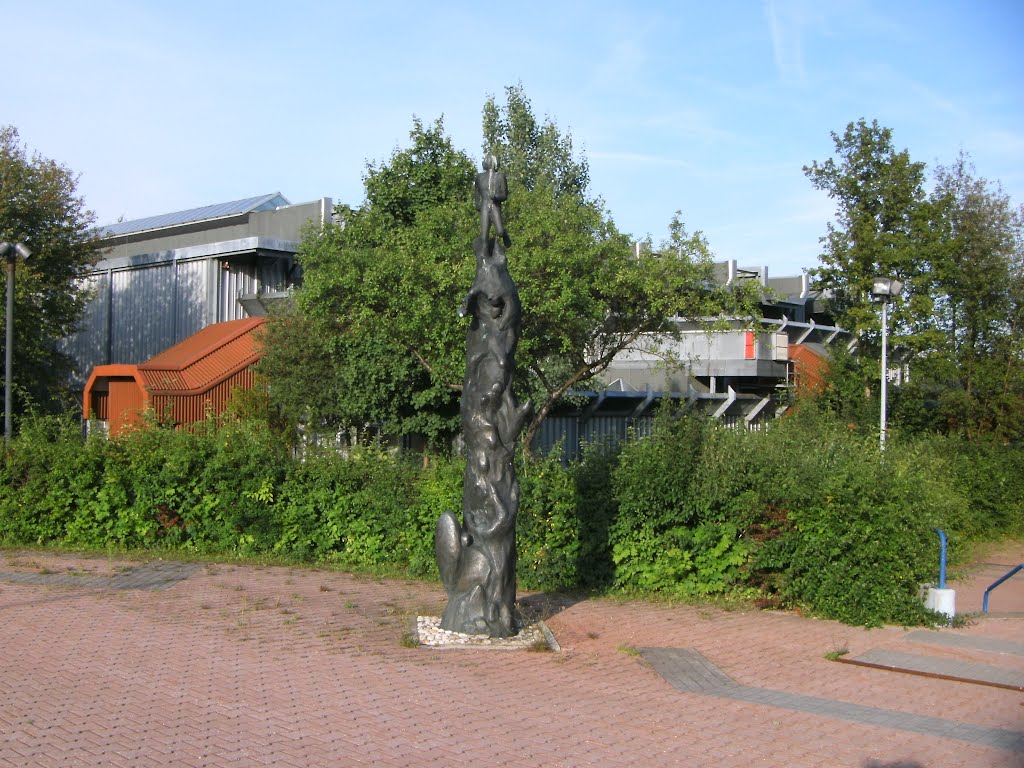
(159, 574)
(228, 665)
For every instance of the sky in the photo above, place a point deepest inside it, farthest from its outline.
(710, 109)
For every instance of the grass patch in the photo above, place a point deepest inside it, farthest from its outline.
(410, 640)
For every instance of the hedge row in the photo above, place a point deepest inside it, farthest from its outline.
(804, 513)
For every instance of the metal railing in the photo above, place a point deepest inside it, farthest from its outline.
(984, 602)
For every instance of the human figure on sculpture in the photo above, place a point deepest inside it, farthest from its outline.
(489, 192)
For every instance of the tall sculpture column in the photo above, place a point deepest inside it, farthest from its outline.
(477, 558)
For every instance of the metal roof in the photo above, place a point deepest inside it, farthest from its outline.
(203, 358)
(207, 212)
(194, 252)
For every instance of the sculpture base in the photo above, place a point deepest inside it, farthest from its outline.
(536, 637)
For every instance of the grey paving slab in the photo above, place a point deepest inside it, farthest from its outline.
(689, 671)
(990, 644)
(938, 665)
(159, 574)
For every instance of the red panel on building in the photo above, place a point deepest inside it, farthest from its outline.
(810, 368)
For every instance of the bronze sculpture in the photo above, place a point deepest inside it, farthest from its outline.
(489, 192)
(477, 558)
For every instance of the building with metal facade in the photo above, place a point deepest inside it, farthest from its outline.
(741, 376)
(162, 279)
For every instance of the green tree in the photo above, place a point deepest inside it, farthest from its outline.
(973, 375)
(534, 155)
(381, 286)
(587, 293)
(40, 207)
(372, 337)
(882, 228)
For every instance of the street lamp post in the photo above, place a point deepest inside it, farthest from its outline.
(10, 252)
(885, 289)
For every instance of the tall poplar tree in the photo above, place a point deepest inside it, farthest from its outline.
(975, 372)
(881, 228)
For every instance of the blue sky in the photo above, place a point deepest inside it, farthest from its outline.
(712, 109)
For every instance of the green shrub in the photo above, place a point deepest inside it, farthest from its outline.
(48, 476)
(858, 538)
(668, 536)
(596, 510)
(353, 510)
(206, 488)
(807, 511)
(438, 488)
(547, 531)
(991, 476)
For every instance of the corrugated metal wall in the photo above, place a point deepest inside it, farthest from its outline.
(88, 346)
(260, 275)
(234, 282)
(154, 308)
(574, 432)
(137, 313)
(192, 311)
(127, 311)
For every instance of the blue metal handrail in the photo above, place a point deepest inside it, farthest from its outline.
(984, 602)
(942, 557)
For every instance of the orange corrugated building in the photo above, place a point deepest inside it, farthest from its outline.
(184, 383)
(810, 367)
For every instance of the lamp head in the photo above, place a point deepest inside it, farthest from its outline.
(14, 250)
(886, 288)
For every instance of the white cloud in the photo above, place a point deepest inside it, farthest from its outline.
(785, 27)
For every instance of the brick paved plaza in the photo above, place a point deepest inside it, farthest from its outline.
(109, 662)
